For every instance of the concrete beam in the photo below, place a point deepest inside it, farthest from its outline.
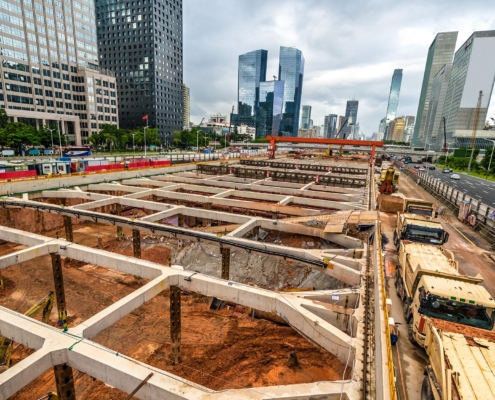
(27, 254)
(13, 235)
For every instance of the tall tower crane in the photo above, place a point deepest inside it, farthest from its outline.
(475, 128)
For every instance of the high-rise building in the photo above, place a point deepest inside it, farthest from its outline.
(393, 97)
(141, 41)
(341, 124)
(409, 128)
(330, 126)
(396, 129)
(251, 71)
(473, 71)
(291, 71)
(50, 68)
(440, 53)
(186, 106)
(271, 96)
(351, 111)
(306, 117)
(381, 129)
(433, 136)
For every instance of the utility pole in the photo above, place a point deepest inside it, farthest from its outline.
(475, 127)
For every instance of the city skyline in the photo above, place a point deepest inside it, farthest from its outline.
(333, 74)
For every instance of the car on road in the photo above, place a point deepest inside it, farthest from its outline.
(432, 167)
(422, 169)
(447, 170)
(455, 176)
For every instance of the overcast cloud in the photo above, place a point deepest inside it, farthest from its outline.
(351, 49)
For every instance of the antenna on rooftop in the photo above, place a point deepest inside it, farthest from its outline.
(274, 78)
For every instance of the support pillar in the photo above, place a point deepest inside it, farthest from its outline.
(181, 220)
(226, 263)
(136, 242)
(64, 379)
(175, 323)
(206, 222)
(59, 290)
(118, 211)
(68, 229)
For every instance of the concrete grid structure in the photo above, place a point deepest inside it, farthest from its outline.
(141, 42)
(50, 66)
(318, 315)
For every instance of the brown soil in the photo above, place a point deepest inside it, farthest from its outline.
(467, 331)
(220, 349)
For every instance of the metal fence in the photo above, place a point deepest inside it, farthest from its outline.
(452, 199)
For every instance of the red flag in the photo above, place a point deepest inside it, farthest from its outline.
(145, 117)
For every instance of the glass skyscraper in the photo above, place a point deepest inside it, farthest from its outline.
(393, 98)
(440, 53)
(306, 117)
(251, 71)
(351, 111)
(330, 125)
(270, 108)
(473, 70)
(141, 41)
(291, 71)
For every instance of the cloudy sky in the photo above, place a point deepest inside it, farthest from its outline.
(351, 48)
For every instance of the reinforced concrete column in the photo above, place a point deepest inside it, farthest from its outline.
(64, 379)
(68, 229)
(206, 221)
(59, 290)
(226, 263)
(136, 242)
(180, 221)
(175, 323)
(118, 211)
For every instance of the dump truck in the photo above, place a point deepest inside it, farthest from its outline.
(419, 228)
(419, 207)
(429, 284)
(460, 364)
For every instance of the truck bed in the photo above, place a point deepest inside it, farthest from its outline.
(429, 257)
(474, 361)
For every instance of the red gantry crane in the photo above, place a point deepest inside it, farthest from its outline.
(289, 139)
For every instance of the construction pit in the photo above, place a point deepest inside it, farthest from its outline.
(215, 286)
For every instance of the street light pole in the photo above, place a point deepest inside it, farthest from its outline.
(491, 156)
(133, 147)
(51, 132)
(145, 135)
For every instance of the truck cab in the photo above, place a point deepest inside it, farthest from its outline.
(460, 301)
(420, 229)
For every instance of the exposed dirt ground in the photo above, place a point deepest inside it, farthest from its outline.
(220, 349)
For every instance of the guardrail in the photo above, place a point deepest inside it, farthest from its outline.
(452, 198)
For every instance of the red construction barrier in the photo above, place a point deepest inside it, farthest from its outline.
(108, 167)
(160, 163)
(139, 164)
(17, 174)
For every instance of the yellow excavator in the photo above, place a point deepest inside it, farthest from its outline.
(45, 306)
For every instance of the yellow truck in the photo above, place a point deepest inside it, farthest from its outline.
(420, 229)
(460, 365)
(430, 285)
(419, 207)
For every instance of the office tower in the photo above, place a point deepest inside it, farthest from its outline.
(396, 129)
(409, 128)
(351, 111)
(330, 126)
(50, 70)
(341, 124)
(291, 71)
(473, 70)
(440, 53)
(306, 117)
(271, 98)
(381, 129)
(393, 97)
(310, 123)
(356, 131)
(141, 41)
(186, 106)
(433, 137)
(251, 71)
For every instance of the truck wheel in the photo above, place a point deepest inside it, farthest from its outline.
(395, 238)
(397, 287)
(410, 333)
(426, 392)
(405, 309)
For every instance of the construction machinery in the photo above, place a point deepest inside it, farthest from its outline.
(430, 285)
(44, 306)
(389, 178)
(329, 151)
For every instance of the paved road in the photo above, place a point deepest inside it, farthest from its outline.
(479, 189)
